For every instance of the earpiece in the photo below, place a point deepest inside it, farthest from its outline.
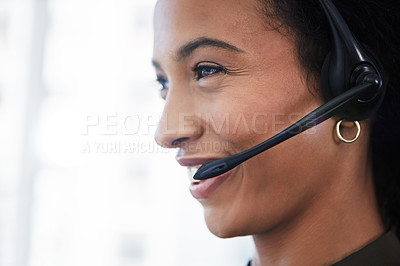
(348, 65)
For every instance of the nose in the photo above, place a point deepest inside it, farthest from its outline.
(179, 123)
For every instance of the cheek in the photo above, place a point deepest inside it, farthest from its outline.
(251, 119)
(235, 122)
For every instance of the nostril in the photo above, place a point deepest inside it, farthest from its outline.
(177, 142)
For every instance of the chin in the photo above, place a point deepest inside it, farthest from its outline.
(224, 225)
(224, 231)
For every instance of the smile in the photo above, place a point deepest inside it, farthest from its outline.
(204, 188)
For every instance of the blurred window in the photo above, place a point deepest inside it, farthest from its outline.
(82, 181)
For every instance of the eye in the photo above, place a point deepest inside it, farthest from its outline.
(164, 86)
(205, 70)
(163, 82)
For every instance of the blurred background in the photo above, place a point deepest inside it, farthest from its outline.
(81, 180)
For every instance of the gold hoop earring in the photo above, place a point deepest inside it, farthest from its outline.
(340, 134)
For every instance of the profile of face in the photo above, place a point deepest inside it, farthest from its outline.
(230, 82)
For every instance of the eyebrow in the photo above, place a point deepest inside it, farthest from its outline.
(155, 64)
(188, 48)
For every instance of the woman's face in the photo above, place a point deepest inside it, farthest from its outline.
(229, 83)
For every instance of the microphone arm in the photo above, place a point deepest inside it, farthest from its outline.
(317, 116)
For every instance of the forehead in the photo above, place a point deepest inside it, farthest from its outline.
(179, 21)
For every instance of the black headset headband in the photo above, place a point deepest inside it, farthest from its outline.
(351, 81)
(346, 66)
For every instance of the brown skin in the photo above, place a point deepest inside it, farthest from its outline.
(309, 200)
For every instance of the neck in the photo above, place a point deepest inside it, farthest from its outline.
(340, 222)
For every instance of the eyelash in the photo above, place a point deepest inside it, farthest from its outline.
(199, 70)
(163, 82)
(199, 73)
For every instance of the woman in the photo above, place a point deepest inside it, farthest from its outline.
(233, 74)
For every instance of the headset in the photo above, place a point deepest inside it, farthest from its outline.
(352, 82)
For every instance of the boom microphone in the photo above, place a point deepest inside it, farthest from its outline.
(352, 83)
(317, 116)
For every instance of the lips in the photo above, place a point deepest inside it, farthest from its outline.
(204, 188)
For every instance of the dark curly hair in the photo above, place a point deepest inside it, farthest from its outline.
(376, 25)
